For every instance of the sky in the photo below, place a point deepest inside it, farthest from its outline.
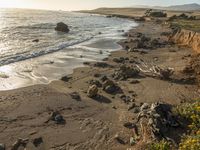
(86, 4)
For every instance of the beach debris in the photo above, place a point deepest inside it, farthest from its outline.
(37, 141)
(159, 119)
(109, 86)
(75, 95)
(125, 72)
(2, 146)
(57, 117)
(18, 143)
(92, 91)
(36, 40)
(62, 27)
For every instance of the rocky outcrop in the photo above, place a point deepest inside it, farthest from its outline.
(186, 38)
(62, 27)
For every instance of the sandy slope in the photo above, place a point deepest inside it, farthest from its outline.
(93, 123)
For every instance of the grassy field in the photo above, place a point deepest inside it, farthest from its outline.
(193, 25)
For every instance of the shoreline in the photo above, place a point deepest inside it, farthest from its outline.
(32, 71)
(98, 122)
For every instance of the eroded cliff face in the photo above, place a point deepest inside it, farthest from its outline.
(187, 38)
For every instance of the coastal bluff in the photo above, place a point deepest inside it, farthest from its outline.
(187, 38)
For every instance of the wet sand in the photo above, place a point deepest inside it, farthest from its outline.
(93, 123)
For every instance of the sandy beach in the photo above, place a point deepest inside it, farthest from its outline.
(99, 122)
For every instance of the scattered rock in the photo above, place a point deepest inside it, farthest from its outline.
(36, 40)
(18, 143)
(95, 82)
(166, 73)
(129, 125)
(125, 72)
(92, 91)
(65, 78)
(131, 106)
(62, 27)
(2, 147)
(57, 117)
(104, 78)
(109, 86)
(102, 64)
(119, 60)
(135, 110)
(37, 141)
(134, 81)
(119, 139)
(75, 95)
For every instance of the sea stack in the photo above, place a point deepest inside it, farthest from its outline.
(62, 27)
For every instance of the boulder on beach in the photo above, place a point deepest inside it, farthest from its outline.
(92, 91)
(62, 27)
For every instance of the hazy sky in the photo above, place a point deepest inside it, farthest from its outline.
(87, 4)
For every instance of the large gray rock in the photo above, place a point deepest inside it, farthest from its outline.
(62, 27)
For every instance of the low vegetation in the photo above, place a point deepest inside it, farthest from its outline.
(193, 25)
(191, 112)
(191, 140)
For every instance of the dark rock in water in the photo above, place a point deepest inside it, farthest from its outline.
(2, 147)
(36, 40)
(37, 141)
(92, 91)
(62, 27)
(57, 117)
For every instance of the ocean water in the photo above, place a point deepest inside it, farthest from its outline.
(24, 62)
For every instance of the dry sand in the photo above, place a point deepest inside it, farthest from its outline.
(94, 123)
